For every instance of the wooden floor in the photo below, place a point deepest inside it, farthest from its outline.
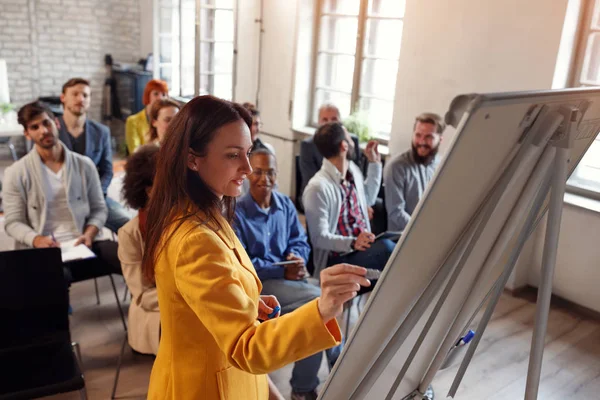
(571, 367)
(571, 361)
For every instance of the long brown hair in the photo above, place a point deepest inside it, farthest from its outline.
(179, 194)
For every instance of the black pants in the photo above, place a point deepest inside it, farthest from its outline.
(106, 262)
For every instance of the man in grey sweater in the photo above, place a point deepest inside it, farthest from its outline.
(336, 202)
(54, 196)
(407, 175)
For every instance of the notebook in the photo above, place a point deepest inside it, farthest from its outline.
(70, 252)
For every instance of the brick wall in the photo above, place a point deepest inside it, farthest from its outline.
(46, 42)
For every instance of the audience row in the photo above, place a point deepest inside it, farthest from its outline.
(58, 193)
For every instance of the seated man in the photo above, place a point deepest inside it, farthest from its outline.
(268, 227)
(53, 195)
(255, 129)
(89, 138)
(310, 159)
(407, 175)
(336, 201)
(257, 143)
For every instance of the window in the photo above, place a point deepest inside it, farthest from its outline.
(585, 180)
(196, 59)
(357, 46)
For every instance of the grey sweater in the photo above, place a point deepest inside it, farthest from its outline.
(322, 201)
(405, 182)
(25, 203)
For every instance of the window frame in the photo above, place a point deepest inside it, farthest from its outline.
(200, 6)
(576, 79)
(359, 55)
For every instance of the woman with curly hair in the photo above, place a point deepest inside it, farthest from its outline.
(144, 318)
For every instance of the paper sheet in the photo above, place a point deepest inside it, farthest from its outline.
(70, 252)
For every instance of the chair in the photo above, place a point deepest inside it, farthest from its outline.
(298, 191)
(5, 141)
(36, 352)
(93, 268)
(113, 395)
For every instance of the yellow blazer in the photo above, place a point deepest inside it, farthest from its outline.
(136, 128)
(144, 318)
(212, 345)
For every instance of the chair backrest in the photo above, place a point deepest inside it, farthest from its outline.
(34, 299)
(298, 201)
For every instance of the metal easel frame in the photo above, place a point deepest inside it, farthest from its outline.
(554, 133)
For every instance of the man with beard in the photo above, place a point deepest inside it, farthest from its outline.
(89, 138)
(53, 196)
(406, 176)
(336, 202)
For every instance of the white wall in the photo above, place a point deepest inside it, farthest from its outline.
(248, 30)
(146, 28)
(451, 47)
(276, 79)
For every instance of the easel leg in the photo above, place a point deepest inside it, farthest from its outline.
(501, 282)
(536, 184)
(548, 263)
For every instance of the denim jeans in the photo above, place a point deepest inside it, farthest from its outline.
(292, 295)
(117, 215)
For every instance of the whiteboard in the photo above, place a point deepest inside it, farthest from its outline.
(488, 136)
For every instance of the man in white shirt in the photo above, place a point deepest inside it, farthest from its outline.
(53, 196)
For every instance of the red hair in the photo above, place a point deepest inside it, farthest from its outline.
(154, 84)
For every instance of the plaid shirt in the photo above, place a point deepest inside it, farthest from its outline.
(351, 221)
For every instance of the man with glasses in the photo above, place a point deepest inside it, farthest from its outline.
(268, 227)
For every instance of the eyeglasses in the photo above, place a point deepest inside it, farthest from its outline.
(257, 173)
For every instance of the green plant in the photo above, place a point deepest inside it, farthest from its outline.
(358, 124)
(5, 108)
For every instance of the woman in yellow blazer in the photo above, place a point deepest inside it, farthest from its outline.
(138, 125)
(213, 345)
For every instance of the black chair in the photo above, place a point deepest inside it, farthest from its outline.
(93, 268)
(36, 353)
(298, 201)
